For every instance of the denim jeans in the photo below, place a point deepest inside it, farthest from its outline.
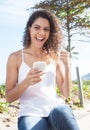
(60, 118)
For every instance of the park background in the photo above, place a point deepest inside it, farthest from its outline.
(13, 18)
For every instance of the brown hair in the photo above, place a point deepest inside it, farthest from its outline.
(54, 41)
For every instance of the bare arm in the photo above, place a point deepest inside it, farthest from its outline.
(64, 74)
(14, 90)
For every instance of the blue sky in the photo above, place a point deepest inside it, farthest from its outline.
(13, 18)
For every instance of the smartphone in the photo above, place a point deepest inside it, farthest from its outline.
(41, 65)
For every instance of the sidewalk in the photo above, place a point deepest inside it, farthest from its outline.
(84, 122)
(83, 117)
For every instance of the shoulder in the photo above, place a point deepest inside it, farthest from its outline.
(14, 57)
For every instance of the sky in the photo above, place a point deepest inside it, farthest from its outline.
(13, 18)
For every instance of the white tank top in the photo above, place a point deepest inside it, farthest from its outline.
(39, 99)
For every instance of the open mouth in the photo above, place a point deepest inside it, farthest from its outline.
(39, 39)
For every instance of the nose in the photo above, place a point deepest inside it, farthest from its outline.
(42, 32)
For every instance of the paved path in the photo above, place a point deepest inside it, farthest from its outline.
(83, 117)
(84, 121)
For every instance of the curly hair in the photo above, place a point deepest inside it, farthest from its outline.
(55, 39)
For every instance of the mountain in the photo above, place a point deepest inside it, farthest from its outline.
(86, 77)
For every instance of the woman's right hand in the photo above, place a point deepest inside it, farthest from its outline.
(34, 76)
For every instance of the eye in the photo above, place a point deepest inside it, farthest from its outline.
(36, 27)
(47, 29)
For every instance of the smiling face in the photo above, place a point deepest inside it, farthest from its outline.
(39, 32)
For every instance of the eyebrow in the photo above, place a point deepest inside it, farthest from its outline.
(39, 25)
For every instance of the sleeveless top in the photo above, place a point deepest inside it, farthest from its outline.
(39, 99)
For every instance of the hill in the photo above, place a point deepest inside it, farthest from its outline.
(86, 77)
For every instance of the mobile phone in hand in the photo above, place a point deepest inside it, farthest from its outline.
(41, 65)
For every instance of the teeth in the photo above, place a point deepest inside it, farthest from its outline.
(39, 38)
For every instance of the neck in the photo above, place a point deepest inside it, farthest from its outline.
(36, 53)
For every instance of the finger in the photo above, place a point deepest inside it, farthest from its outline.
(34, 81)
(38, 75)
(34, 76)
(65, 54)
(34, 71)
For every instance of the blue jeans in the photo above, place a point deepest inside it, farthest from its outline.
(60, 118)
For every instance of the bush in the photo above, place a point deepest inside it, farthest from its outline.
(3, 106)
(2, 90)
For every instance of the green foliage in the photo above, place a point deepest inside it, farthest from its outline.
(85, 88)
(3, 107)
(67, 11)
(58, 91)
(86, 82)
(70, 13)
(75, 88)
(74, 82)
(74, 100)
(3, 104)
(2, 90)
(86, 91)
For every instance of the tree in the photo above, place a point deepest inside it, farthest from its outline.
(70, 13)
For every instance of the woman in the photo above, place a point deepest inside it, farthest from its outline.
(40, 107)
